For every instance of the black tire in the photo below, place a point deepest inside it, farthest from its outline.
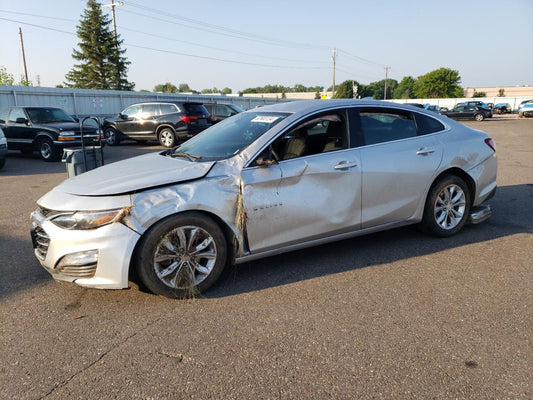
(479, 117)
(167, 137)
(447, 207)
(47, 150)
(168, 260)
(112, 137)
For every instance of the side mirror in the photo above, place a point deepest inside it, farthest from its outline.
(22, 121)
(122, 116)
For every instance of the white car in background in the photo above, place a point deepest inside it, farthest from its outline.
(263, 182)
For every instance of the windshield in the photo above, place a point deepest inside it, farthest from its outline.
(229, 137)
(44, 115)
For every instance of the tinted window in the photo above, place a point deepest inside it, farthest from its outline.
(427, 124)
(168, 108)
(381, 125)
(195, 108)
(223, 111)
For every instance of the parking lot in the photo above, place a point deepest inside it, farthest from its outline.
(396, 314)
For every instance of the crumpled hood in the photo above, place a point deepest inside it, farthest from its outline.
(135, 174)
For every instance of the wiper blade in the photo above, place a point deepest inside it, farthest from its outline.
(190, 157)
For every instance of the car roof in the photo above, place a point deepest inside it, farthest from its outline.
(304, 106)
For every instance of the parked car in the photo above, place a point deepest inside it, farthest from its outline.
(167, 122)
(432, 107)
(502, 108)
(526, 110)
(3, 149)
(475, 103)
(221, 111)
(47, 130)
(264, 182)
(467, 111)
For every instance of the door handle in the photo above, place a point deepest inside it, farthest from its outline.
(424, 151)
(345, 165)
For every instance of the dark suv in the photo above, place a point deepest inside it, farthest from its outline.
(221, 111)
(168, 122)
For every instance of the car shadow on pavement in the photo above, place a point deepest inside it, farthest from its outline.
(509, 217)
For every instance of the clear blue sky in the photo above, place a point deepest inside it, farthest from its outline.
(249, 43)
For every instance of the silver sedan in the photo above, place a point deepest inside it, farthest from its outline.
(264, 182)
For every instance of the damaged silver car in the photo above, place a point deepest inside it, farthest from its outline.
(264, 182)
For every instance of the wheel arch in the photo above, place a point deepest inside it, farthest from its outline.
(231, 237)
(163, 126)
(461, 174)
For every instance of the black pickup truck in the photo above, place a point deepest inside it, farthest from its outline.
(47, 130)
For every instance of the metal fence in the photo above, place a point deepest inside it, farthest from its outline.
(83, 102)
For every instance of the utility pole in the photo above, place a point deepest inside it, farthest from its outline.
(386, 77)
(112, 6)
(23, 57)
(334, 60)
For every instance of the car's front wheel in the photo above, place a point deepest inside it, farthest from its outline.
(111, 136)
(479, 117)
(447, 207)
(167, 137)
(181, 255)
(47, 150)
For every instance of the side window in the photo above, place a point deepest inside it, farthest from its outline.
(168, 108)
(16, 113)
(381, 125)
(319, 134)
(132, 111)
(150, 110)
(222, 111)
(427, 124)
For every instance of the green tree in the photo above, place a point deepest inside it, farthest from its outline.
(184, 88)
(5, 77)
(442, 82)
(102, 62)
(501, 93)
(479, 94)
(226, 90)
(344, 90)
(166, 88)
(405, 89)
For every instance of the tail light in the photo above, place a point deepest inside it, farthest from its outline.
(491, 143)
(188, 119)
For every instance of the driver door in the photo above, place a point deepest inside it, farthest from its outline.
(313, 191)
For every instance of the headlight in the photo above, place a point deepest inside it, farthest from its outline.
(87, 219)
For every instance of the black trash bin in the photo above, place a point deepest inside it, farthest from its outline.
(76, 163)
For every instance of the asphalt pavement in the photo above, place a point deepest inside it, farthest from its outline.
(393, 315)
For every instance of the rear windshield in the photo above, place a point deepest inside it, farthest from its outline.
(195, 109)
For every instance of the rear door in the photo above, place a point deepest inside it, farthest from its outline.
(399, 157)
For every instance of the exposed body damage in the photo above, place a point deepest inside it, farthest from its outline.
(263, 182)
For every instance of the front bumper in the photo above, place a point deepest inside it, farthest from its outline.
(109, 248)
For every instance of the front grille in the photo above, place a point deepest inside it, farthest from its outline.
(76, 271)
(41, 242)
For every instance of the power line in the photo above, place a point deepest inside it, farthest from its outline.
(228, 31)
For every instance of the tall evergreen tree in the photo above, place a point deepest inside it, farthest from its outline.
(102, 63)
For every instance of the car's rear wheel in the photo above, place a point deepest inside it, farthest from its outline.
(447, 207)
(479, 117)
(167, 137)
(111, 136)
(47, 150)
(181, 255)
